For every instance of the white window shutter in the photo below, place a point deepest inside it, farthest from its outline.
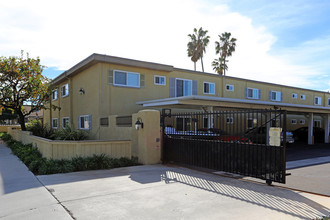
(110, 77)
(194, 87)
(142, 81)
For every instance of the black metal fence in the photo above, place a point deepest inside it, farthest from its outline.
(230, 141)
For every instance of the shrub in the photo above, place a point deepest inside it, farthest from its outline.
(5, 136)
(40, 130)
(69, 133)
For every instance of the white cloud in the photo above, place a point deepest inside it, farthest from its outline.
(63, 33)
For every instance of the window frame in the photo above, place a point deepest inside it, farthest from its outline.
(302, 97)
(230, 121)
(176, 87)
(302, 121)
(54, 119)
(89, 122)
(254, 122)
(68, 118)
(159, 84)
(319, 100)
(67, 90)
(184, 123)
(318, 122)
(209, 93)
(126, 85)
(55, 91)
(328, 101)
(294, 121)
(230, 86)
(277, 93)
(294, 95)
(253, 89)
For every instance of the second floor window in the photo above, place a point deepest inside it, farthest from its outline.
(160, 80)
(183, 87)
(275, 96)
(65, 90)
(54, 94)
(209, 88)
(252, 93)
(128, 79)
(317, 100)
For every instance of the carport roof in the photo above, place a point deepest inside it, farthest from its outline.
(196, 102)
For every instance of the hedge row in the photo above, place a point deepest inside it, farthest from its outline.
(39, 165)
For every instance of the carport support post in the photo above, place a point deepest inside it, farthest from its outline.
(210, 117)
(310, 129)
(326, 128)
(268, 118)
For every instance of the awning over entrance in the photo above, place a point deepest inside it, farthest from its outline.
(196, 102)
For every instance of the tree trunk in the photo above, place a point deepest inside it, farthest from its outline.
(202, 64)
(21, 120)
(224, 67)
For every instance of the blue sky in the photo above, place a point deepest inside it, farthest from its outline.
(285, 42)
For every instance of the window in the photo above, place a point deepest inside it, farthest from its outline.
(128, 79)
(252, 93)
(85, 122)
(183, 124)
(160, 80)
(229, 120)
(275, 123)
(302, 121)
(317, 100)
(317, 123)
(65, 90)
(229, 87)
(54, 94)
(293, 121)
(209, 88)
(294, 96)
(275, 96)
(65, 122)
(302, 97)
(251, 123)
(328, 101)
(104, 122)
(183, 87)
(54, 123)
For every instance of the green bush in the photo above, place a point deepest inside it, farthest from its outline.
(5, 136)
(69, 133)
(33, 159)
(40, 130)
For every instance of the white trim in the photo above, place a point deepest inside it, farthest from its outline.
(209, 88)
(53, 119)
(63, 122)
(159, 84)
(229, 87)
(127, 72)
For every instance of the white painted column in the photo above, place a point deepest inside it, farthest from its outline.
(210, 117)
(310, 128)
(326, 128)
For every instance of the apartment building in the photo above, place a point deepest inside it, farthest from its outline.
(101, 86)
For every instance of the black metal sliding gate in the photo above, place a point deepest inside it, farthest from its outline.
(230, 141)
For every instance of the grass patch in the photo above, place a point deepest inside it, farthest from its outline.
(39, 165)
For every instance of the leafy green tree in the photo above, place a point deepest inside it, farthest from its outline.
(197, 46)
(21, 81)
(219, 66)
(225, 47)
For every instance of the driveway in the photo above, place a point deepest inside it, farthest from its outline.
(171, 192)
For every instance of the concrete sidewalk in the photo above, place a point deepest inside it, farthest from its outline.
(22, 196)
(171, 192)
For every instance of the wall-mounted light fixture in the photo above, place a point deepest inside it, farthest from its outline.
(81, 91)
(138, 124)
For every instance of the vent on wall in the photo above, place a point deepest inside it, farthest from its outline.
(124, 121)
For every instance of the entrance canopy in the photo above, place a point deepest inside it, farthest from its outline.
(197, 102)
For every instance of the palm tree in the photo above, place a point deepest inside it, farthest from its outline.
(219, 66)
(197, 46)
(225, 47)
